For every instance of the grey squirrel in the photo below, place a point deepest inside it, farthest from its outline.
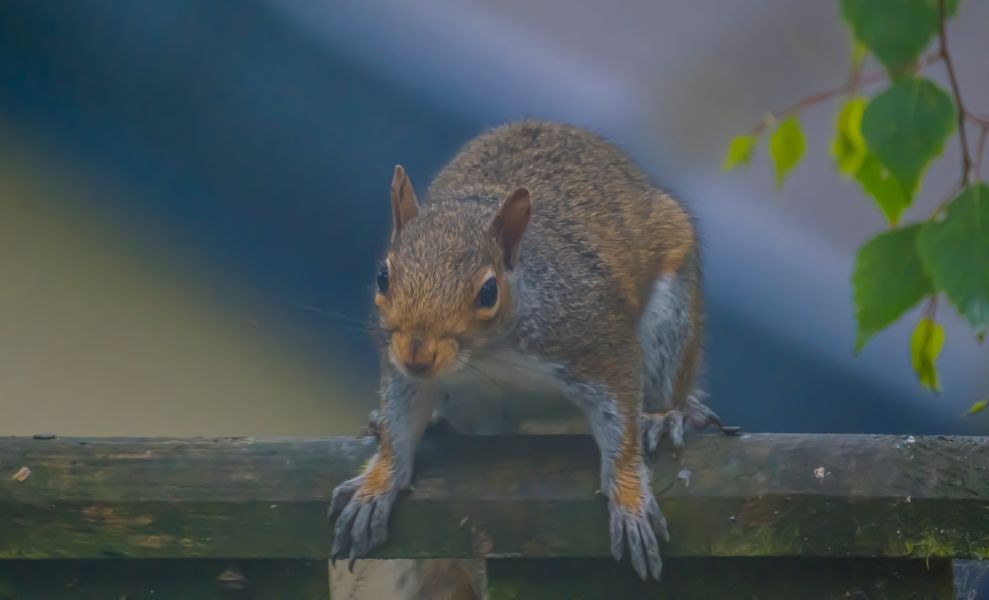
(541, 254)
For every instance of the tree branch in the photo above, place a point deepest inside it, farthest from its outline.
(980, 146)
(966, 157)
(855, 81)
(930, 310)
(951, 195)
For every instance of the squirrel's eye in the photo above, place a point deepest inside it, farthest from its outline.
(382, 279)
(488, 296)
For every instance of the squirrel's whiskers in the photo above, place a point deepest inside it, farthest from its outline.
(543, 259)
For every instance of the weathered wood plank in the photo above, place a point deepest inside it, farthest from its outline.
(166, 579)
(749, 578)
(753, 495)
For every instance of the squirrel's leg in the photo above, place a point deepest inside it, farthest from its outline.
(635, 517)
(364, 502)
(670, 337)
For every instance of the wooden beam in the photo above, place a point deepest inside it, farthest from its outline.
(748, 578)
(749, 496)
(188, 579)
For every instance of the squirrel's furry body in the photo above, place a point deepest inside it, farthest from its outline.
(596, 296)
(597, 251)
(600, 237)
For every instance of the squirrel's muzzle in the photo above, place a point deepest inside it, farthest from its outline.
(421, 355)
(419, 360)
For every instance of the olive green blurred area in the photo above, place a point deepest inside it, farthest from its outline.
(105, 333)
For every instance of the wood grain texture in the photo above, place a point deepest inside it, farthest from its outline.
(528, 496)
(748, 578)
(184, 579)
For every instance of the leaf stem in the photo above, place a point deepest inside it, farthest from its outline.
(980, 147)
(951, 195)
(949, 65)
(854, 82)
(930, 311)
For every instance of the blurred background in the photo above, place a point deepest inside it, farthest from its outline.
(193, 196)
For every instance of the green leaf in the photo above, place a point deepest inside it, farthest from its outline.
(955, 252)
(879, 183)
(786, 147)
(925, 346)
(906, 127)
(896, 31)
(848, 146)
(978, 407)
(854, 160)
(888, 280)
(740, 151)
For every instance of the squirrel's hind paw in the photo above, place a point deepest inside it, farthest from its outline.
(654, 426)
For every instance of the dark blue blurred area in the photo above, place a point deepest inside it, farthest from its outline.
(268, 157)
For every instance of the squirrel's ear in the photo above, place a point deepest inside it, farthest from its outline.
(403, 201)
(509, 224)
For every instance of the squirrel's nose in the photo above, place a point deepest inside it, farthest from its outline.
(420, 359)
(417, 368)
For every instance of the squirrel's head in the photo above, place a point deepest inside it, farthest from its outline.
(443, 289)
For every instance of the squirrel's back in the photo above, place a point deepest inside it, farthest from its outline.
(589, 200)
(538, 152)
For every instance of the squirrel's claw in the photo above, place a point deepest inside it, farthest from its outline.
(362, 524)
(341, 534)
(699, 415)
(656, 518)
(342, 495)
(655, 426)
(640, 530)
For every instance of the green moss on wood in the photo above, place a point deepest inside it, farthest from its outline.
(163, 579)
(755, 495)
(752, 579)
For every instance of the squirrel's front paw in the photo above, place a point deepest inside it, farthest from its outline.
(363, 520)
(638, 520)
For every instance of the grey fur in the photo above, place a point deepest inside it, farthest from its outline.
(617, 532)
(591, 311)
(405, 409)
(652, 556)
(663, 330)
(361, 525)
(635, 552)
(379, 521)
(601, 408)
